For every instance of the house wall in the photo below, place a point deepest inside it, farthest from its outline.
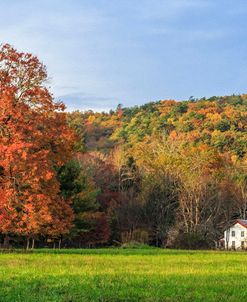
(237, 228)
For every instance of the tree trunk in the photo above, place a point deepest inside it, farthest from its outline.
(28, 243)
(59, 243)
(6, 242)
(227, 238)
(33, 243)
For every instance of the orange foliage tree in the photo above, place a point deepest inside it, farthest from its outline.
(34, 140)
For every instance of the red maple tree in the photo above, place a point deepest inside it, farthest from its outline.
(34, 140)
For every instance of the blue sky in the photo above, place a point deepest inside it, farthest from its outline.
(103, 52)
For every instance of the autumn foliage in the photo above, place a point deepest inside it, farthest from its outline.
(166, 173)
(176, 171)
(34, 140)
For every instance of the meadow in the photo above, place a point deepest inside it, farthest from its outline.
(123, 275)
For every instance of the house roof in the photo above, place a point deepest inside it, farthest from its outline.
(242, 222)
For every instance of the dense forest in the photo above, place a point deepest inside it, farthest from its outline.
(168, 173)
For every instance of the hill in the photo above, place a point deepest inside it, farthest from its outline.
(169, 173)
(219, 122)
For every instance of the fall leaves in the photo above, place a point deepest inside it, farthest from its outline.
(34, 140)
(140, 170)
(188, 156)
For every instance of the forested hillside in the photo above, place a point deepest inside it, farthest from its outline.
(167, 173)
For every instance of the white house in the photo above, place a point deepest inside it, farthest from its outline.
(236, 236)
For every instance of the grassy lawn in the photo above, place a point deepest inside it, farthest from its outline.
(123, 275)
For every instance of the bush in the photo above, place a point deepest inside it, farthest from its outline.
(191, 241)
(136, 245)
(137, 236)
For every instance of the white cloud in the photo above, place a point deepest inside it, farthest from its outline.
(135, 50)
(63, 41)
(84, 101)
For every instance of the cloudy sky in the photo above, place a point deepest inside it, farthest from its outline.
(103, 52)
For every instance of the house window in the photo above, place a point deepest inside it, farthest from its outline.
(242, 233)
(242, 244)
(233, 233)
(233, 244)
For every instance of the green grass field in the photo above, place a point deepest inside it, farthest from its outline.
(123, 275)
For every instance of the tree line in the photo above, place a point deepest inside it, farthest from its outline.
(168, 173)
